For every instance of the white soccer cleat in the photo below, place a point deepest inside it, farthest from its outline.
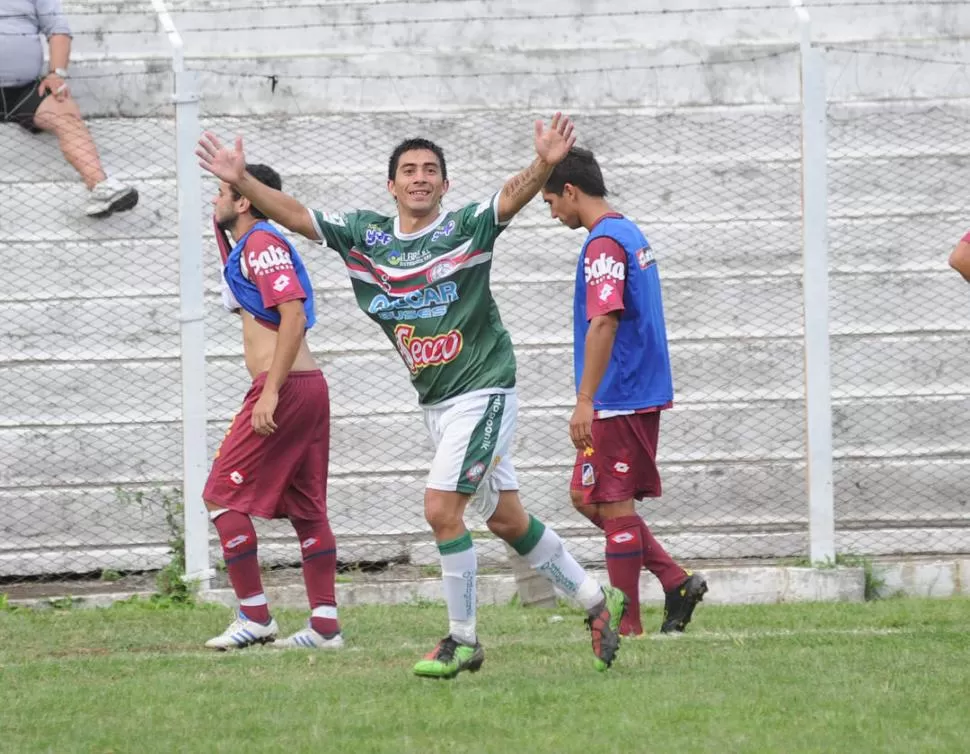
(110, 196)
(309, 639)
(243, 632)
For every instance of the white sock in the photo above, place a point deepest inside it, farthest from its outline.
(459, 567)
(551, 558)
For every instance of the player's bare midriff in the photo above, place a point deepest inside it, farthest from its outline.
(259, 345)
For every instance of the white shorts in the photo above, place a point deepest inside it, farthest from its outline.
(472, 436)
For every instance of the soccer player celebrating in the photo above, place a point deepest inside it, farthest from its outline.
(273, 460)
(623, 382)
(423, 276)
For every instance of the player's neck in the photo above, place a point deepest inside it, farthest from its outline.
(592, 211)
(408, 223)
(241, 227)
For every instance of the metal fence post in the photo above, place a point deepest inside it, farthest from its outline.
(192, 309)
(818, 400)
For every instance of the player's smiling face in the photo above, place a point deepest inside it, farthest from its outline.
(563, 207)
(418, 184)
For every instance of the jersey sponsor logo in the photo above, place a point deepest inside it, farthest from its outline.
(270, 259)
(421, 304)
(444, 231)
(396, 257)
(645, 257)
(604, 267)
(589, 476)
(623, 536)
(475, 473)
(281, 283)
(434, 351)
(334, 218)
(374, 236)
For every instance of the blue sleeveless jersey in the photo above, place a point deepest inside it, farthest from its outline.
(638, 375)
(239, 271)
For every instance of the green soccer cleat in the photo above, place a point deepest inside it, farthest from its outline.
(604, 626)
(449, 658)
(680, 603)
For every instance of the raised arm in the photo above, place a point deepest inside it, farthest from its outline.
(229, 165)
(552, 145)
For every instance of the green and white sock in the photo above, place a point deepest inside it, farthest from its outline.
(545, 551)
(459, 567)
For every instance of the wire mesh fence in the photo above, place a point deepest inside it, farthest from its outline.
(90, 443)
(89, 434)
(899, 327)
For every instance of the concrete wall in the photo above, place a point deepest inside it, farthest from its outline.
(89, 352)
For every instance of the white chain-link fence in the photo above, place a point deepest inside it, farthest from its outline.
(91, 342)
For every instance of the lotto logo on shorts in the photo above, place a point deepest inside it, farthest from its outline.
(621, 468)
(237, 478)
(475, 473)
(589, 476)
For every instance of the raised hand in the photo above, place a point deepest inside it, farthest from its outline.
(554, 143)
(223, 162)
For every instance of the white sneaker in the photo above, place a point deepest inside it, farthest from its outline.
(110, 196)
(309, 639)
(243, 632)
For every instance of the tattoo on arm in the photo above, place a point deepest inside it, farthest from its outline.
(522, 183)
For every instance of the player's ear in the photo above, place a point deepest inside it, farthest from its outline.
(390, 189)
(243, 205)
(444, 186)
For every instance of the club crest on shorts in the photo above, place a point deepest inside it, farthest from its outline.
(475, 473)
(589, 476)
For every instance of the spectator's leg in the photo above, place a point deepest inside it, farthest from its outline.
(63, 119)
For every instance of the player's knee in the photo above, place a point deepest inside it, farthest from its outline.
(510, 520)
(442, 511)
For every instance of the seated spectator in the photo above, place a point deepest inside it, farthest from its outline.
(41, 101)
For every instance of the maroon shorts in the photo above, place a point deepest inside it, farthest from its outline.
(283, 475)
(623, 461)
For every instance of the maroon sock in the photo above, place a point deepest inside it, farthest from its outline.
(658, 562)
(239, 544)
(624, 559)
(319, 573)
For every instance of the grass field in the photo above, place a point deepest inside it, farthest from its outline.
(887, 676)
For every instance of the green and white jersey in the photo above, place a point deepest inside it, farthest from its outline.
(429, 292)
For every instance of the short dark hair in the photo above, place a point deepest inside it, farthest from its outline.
(579, 168)
(268, 177)
(406, 146)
